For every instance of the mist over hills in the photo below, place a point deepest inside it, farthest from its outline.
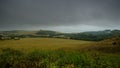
(90, 35)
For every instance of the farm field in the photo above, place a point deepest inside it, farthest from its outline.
(43, 43)
(57, 53)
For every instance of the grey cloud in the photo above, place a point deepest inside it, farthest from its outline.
(38, 13)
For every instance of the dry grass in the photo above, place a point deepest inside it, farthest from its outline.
(28, 44)
(107, 46)
(43, 43)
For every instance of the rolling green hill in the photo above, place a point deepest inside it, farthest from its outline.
(89, 36)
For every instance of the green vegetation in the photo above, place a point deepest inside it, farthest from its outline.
(57, 59)
(59, 53)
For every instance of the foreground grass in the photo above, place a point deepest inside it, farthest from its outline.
(57, 59)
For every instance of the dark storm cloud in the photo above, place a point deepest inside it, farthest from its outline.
(38, 13)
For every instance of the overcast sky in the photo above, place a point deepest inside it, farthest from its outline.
(60, 15)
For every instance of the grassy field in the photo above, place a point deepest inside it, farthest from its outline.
(43, 43)
(58, 53)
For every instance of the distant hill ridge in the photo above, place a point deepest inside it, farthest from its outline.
(90, 35)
